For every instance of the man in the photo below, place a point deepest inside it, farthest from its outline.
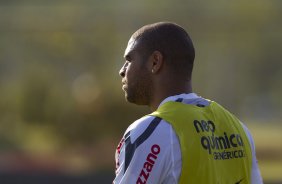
(187, 139)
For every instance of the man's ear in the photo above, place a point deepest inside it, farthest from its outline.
(156, 61)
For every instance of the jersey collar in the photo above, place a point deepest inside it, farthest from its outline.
(183, 95)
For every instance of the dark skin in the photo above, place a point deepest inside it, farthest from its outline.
(149, 81)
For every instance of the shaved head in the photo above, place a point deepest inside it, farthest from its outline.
(173, 42)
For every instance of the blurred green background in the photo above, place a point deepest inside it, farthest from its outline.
(62, 110)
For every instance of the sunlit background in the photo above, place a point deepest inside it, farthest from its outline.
(62, 110)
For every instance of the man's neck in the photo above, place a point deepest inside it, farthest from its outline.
(163, 94)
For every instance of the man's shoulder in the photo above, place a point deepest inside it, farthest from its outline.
(140, 124)
(148, 122)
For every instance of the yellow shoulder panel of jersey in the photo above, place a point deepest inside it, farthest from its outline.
(214, 146)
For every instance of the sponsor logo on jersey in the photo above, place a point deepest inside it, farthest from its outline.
(121, 143)
(149, 164)
(225, 146)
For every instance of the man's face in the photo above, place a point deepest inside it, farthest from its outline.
(135, 75)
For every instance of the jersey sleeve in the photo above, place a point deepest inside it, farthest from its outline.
(148, 153)
(255, 174)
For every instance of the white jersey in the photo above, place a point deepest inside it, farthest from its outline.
(150, 153)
